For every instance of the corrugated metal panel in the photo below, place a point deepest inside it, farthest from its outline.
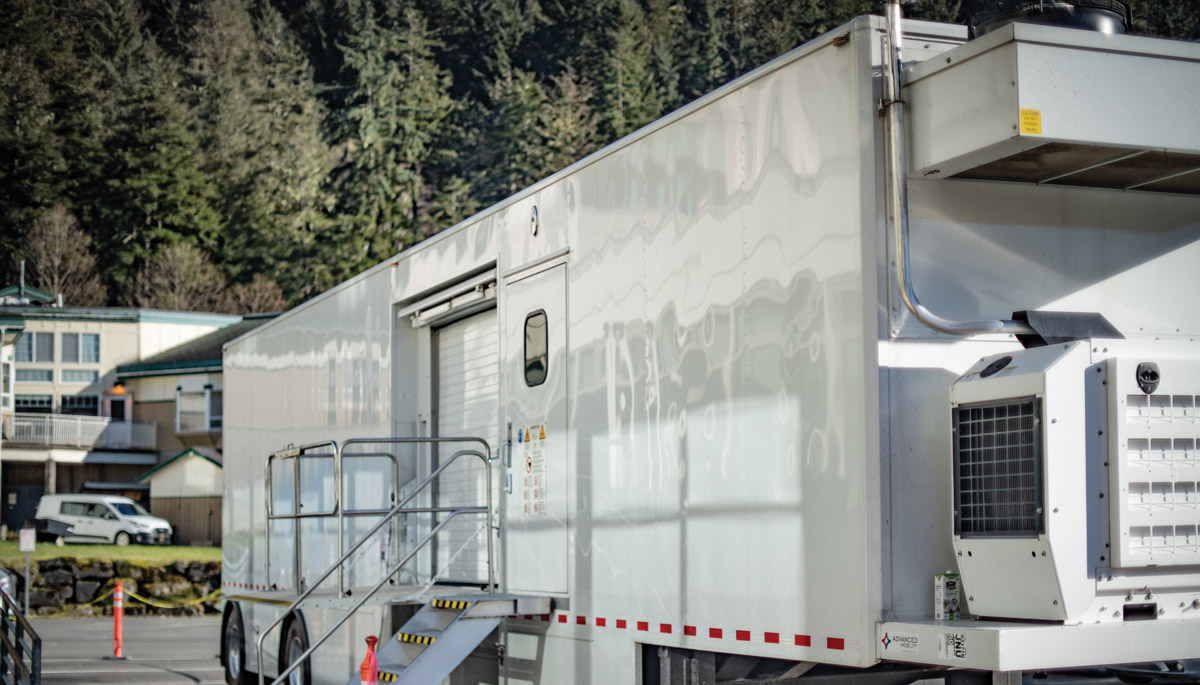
(468, 386)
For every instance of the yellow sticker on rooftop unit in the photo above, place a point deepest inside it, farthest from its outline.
(1031, 121)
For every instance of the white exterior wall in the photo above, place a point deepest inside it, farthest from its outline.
(166, 388)
(154, 336)
(118, 345)
(121, 342)
(191, 476)
(758, 435)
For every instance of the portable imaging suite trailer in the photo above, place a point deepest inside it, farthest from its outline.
(719, 442)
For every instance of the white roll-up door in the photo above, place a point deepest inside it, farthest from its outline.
(468, 394)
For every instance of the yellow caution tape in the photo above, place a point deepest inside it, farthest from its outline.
(77, 607)
(160, 605)
(133, 595)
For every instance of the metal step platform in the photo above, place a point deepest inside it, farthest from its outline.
(443, 633)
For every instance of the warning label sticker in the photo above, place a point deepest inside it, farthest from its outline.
(952, 646)
(533, 492)
(1031, 121)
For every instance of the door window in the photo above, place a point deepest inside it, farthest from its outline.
(100, 511)
(73, 509)
(537, 358)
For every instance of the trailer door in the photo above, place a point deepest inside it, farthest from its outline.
(535, 473)
(468, 394)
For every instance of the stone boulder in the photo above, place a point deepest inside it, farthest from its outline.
(96, 570)
(86, 590)
(168, 588)
(58, 578)
(49, 597)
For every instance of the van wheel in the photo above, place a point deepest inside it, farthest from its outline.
(233, 648)
(59, 542)
(121, 539)
(295, 643)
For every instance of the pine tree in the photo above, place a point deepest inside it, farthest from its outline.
(397, 106)
(630, 95)
(703, 52)
(255, 108)
(513, 138)
(44, 134)
(567, 122)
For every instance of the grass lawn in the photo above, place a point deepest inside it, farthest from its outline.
(11, 557)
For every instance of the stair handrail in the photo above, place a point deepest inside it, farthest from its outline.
(487, 461)
(17, 646)
(384, 520)
(297, 453)
(358, 605)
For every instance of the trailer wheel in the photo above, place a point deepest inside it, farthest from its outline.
(233, 647)
(295, 643)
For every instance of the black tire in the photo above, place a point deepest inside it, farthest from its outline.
(233, 647)
(121, 539)
(295, 643)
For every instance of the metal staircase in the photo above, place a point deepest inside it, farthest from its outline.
(443, 633)
(20, 646)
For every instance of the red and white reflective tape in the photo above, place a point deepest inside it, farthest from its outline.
(118, 599)
(766, 637)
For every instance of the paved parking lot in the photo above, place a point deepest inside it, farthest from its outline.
(158, 651)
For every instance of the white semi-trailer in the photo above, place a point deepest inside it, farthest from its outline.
(719, 401)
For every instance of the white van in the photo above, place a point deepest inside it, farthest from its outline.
(104, 518)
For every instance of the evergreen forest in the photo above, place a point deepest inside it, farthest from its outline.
(244, 155)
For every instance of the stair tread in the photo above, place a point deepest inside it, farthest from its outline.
(417, 638)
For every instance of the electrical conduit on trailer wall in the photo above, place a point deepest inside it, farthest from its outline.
(898, 198)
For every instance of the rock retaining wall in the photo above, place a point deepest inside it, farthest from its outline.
(67, 584)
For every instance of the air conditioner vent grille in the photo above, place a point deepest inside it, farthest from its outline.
(998, 469)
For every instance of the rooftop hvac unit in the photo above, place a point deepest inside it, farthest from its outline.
(1076, 479)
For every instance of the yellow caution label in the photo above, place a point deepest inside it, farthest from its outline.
(387, 677)
(543, 436)
(1031, 121)
(528, 435)
(415, 639)
(450, 604)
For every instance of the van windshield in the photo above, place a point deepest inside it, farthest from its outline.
(130, 509)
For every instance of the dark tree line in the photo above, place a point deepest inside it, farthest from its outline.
(247, 154)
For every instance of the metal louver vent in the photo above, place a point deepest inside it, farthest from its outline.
(998, 469)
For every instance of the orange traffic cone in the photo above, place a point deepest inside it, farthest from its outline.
(370, 667)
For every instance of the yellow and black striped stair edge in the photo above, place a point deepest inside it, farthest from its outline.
(387, 677)
(415, 639)
(451, 604)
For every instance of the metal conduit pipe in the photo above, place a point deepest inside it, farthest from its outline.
(898, 198)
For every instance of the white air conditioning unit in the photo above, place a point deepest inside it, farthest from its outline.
(1076, 478)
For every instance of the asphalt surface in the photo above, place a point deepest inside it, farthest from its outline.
(158, 651)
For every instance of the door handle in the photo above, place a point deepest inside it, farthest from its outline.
(508, 487)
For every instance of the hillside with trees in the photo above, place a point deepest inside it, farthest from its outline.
(244, 155)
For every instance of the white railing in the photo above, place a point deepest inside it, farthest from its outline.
(89, 432)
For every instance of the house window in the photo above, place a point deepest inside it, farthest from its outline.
(6, 385)
(215, 409)
(198, 412)
(81, 348)
(79, 375)
(34, 404)
(35, 347)
(81, 405)
(35, 375)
